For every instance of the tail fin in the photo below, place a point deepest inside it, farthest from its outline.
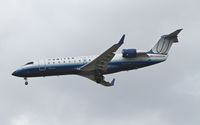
(164, 44)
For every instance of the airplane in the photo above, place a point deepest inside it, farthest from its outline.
(95, 67)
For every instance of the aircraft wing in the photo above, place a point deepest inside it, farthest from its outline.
(102, 82)
(101, 62)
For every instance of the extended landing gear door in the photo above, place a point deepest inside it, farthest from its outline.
(42, 65)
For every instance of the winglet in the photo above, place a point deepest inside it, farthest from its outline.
(122, 40)
(113, 82)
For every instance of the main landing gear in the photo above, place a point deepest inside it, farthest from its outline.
(98, 76)
(26, 82)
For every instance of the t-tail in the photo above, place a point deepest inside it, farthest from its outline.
(164, 44)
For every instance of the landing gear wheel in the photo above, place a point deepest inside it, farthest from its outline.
(26, 83)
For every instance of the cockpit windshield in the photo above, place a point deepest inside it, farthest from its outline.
(29, 63)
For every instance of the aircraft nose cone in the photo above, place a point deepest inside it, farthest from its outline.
(19, 73)
(14, 73)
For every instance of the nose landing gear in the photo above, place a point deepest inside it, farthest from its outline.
(26, 82)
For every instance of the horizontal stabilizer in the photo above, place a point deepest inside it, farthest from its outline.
(174, 34)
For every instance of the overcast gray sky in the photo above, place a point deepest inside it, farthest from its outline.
(164, 94)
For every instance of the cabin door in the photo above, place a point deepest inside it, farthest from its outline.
(42, 65)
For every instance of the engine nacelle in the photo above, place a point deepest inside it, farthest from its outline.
(129, 53)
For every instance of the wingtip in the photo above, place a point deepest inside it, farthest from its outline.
(113, 82)
(179, 30)
(122, 39)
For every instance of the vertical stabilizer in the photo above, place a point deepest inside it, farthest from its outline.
(164, 44)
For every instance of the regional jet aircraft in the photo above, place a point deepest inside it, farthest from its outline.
(95, 67)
